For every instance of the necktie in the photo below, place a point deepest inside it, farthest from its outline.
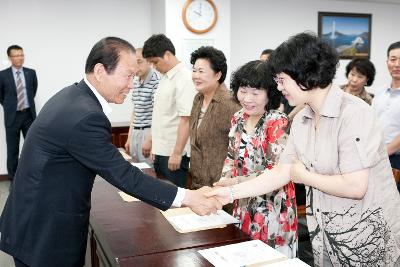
(20, 92)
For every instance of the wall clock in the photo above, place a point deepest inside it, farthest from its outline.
(199, 16)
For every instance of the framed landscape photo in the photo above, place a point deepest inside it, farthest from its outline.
(348, 33)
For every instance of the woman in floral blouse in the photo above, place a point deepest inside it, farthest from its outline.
(256, 138)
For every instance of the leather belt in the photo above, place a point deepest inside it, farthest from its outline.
(24, 110)
(141, 128)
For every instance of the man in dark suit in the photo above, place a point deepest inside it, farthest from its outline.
(45, 220)
(18, 87)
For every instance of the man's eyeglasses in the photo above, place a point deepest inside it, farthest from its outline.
(278, 80)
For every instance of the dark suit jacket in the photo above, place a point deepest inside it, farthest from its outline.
(45, 220)
(8, 93)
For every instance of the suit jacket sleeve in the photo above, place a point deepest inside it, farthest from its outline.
(90, 145)
(35, 83)
(1, 89)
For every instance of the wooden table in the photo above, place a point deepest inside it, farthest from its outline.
(137, 234)
(119, 133)
(177, 258)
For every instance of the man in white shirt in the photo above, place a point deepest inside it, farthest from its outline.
(173, 102)
(387, 106)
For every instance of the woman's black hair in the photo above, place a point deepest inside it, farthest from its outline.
(256, 74)
(307, 59)
(363, 66)
(216, 58)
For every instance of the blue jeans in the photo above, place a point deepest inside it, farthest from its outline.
(178, 177)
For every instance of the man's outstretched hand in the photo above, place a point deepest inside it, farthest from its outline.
(199, 203)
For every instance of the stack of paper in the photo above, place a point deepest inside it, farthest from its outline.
(288, 263)
(184, 220)
(127, 198)
(123, 153)
(250, 253)
(141, 165)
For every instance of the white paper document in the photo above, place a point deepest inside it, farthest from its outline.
(254, 252)
(123, 153)
(192, 222)
(288, 263)
(141, 165)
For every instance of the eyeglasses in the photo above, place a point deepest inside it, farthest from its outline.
(278, 80)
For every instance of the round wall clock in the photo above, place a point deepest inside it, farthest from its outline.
(199, 16)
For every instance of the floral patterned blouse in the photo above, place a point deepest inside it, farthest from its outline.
(271, 218)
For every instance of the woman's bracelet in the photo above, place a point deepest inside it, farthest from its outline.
(237, 179)
(231, 194)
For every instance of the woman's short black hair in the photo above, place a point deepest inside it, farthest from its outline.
(267, 52)
(363, 66)
(307, 59)
(216, 58)
(256, 74)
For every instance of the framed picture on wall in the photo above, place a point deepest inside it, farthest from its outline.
(348, 33)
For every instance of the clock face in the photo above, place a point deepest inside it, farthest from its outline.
(200, 16)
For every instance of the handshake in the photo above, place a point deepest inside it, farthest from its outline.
(207, 200)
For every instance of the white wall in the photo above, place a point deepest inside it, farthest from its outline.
(158, 16)
(220, 35)
(57, 37)
(272, 22)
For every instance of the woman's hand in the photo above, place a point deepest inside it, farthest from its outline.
(222, 194)
(227, 175)
(226, 182)
(298, 171)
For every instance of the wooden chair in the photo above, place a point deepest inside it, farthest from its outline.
(189, 180)
(396, 174)
(300, 200)
(301, 211)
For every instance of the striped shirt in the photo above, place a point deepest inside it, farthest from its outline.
(143, 99)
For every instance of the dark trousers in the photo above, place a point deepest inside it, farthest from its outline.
(23, 120)
(178, 177)
(395, 163)
(19, 263)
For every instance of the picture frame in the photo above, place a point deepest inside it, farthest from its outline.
(348, 33)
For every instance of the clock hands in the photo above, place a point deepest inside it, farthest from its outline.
(198, 13)
(200, 8)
